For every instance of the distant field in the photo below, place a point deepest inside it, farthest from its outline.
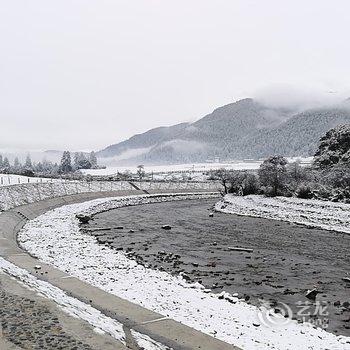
(238, 165)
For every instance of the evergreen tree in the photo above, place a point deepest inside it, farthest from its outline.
(28, 163)
(93, 159)
(80, 161)
(66, 163)
(16, 164)
(47, 166)
(6, 163)
(39, 167)
(76, 160)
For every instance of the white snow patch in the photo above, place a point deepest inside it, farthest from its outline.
(145, 342)
(55, 238)
(324, 214)
(193, 167)
(246, 164)
(72, 306)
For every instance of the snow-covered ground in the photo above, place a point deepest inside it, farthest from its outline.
(56, 239)
(192, 167)
(323, 214)
(76, 308)
(180, 168)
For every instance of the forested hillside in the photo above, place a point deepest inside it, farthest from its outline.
(244, 129)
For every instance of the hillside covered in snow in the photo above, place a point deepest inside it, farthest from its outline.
(240, 130)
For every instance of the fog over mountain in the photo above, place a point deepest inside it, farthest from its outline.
(299, 98)
(80, 75)
(244, 129)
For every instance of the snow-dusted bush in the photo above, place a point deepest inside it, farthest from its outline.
(237, 181)
(337, 176)
(304, 191)
(323, 192)
(250, 184)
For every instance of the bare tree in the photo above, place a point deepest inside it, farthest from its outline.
(141, 171)
(273, 174)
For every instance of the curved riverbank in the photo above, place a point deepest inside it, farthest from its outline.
(284, 262)
(142, 321)
(230, 319)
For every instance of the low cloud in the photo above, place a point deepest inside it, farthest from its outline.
(185, 146)
(296, 98)
(128, 154)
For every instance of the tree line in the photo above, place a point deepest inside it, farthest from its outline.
(47, 168)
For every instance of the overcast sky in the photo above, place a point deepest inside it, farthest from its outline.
(82, 74)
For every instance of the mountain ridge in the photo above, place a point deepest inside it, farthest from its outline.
(242, 129)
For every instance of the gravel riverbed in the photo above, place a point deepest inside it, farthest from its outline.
(286, 259)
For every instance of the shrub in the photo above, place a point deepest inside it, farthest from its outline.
(28, 173)
(323, 192)
(304, 191)
(250, 184)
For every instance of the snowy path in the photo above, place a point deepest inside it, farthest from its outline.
(76, 308)
(55, 238)
(315, 213)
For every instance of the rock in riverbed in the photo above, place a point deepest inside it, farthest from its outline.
(312, 294)
(83, 218)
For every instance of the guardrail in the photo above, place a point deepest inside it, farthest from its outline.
(16, 195)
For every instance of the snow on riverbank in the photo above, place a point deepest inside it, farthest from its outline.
(55, 238)
(70, 305)
(323, 214)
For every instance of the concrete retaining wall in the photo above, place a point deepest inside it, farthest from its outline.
(16, 195)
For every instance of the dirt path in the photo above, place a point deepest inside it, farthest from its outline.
(286, 261)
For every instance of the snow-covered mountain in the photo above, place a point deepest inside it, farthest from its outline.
(298, 136)
(244, 129)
